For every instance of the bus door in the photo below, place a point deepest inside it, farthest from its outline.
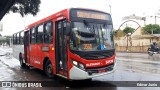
(33, 47)
(26, 46)
(61, 48)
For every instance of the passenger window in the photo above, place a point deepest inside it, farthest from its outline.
(48, 37)
(33, 36)
(21, 37)
(40, 34)
(14, 39)
(17, 38)
(40, 29)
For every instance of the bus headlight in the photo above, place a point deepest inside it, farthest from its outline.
(75, 63)
(78, 64)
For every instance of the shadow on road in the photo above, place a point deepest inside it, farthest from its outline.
(38, 75)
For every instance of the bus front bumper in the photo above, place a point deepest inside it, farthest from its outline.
(78, 74)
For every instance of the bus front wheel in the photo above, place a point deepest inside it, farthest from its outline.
(49, 69)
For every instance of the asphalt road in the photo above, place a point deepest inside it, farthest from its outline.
(127, 70)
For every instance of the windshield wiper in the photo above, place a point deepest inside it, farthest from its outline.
(102, 33)
(88, 26)
(85, 23)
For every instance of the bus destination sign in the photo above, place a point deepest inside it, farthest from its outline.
(90, 14)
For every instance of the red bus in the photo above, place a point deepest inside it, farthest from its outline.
(74, 43)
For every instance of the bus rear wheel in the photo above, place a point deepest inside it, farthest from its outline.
(21, 61)
(48, 69)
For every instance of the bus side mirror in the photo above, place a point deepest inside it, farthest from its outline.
(68, 29)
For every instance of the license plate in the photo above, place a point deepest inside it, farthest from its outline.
(101, 71)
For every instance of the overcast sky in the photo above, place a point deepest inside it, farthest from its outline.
(119, 8)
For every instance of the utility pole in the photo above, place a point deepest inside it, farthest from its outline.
(127, 42)
(110, 9)
(155, 19)
(127, 35)
(152, 31)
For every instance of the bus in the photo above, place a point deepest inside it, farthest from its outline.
(75, 43)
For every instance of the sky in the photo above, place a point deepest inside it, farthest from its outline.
(13, 22)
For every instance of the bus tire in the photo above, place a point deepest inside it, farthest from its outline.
(21, 61)
(49, 69)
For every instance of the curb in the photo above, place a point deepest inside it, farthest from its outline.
(129, 60)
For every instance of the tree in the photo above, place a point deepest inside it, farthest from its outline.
(152, 28)
(25, 7)
(127, 30)
(119, 33)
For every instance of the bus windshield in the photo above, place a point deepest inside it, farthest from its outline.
(91, 36)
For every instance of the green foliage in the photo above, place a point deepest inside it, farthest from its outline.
(25, 7)
(128, 30)
(119, 33)
(155, 28)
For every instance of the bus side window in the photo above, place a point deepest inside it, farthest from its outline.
(22, 37)
(17, 38)
(13, 39)
(48, 37)
(33, 36)
(39, 34)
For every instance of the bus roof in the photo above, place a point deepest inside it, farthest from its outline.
(60, 13)
(64, 12)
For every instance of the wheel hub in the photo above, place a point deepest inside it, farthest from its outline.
(49, 68)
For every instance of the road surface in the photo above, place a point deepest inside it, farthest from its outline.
(128, 69)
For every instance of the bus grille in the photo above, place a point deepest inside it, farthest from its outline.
(96, 70)
(94, 55)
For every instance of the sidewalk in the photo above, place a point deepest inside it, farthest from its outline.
(138, 56)
(5, 50)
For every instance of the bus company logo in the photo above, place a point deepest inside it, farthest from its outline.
(93, 64)
(6, 84)
(109, 61)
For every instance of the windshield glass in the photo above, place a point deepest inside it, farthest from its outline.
(91, 36)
